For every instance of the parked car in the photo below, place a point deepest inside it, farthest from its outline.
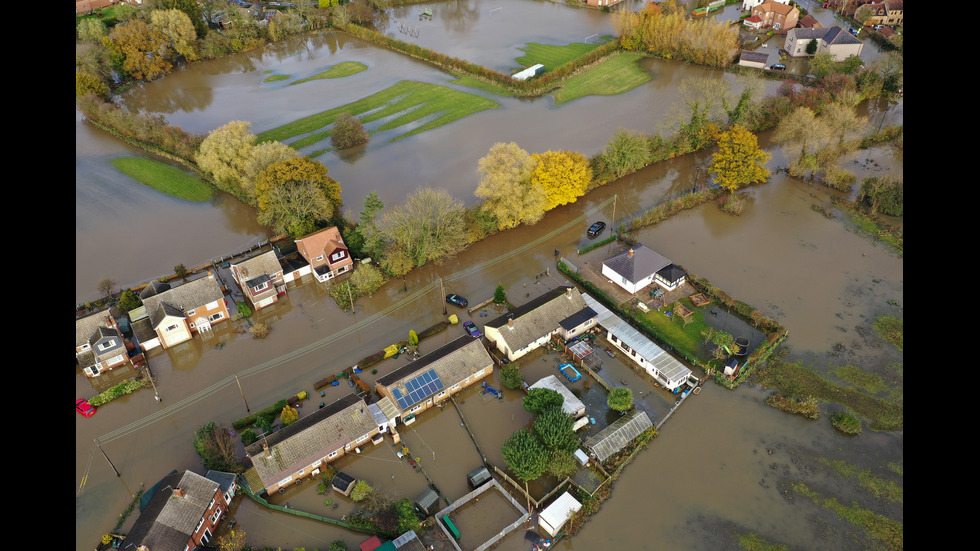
(456, 300)
(471, 329)
(596, 229)
(777, 67)
(84, 408)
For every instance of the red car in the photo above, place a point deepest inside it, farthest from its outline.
(84, 408)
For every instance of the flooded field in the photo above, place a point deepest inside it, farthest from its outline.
(723, 465)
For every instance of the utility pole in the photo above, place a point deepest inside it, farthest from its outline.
(243, 394)
(351, 297)
(152, 382)
(443, 291)
(107, 458)
(404, 282)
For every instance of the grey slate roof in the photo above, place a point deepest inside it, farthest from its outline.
(643, 263)
(571, 405)
(225, 480)
(672, 273)
(538, 317)
(266, 264)
(757, 57)
(578, 318)
(177, 300)
(617, 435)
(169, 520)
(452, 362)
(154, 288)
(87, 326)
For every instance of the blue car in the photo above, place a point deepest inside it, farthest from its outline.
(456, 300)
(471, 329)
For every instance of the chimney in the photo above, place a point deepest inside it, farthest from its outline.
(265, 448)
(631, 252)
(568, 293)
(180, 493)
(510, 323)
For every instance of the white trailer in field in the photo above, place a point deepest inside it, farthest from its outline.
(532, 71)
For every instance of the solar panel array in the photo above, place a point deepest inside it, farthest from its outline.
(418, 389)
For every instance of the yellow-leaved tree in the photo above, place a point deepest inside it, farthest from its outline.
(563, 175)
(739, 160)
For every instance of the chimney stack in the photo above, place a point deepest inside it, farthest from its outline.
(568, 293)
(180, 493)
(510, 323)
(631, 252)
(265, 448)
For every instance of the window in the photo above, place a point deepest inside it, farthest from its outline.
(107, 344)
(171, 328)
(339, 255)
(190, 313)
(215, 317)
(216, 516)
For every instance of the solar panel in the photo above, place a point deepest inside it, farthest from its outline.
(418, 389)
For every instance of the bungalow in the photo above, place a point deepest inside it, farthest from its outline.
(601, 3)
(260, 278)
(666, 369)
(776, 15)
(755, 60)
(297, 451)
(99, 344)
(432, 378)
(560, 311)
(640, 266)
(176, 313)
(181, 515)
(839, 43)
(326, 253)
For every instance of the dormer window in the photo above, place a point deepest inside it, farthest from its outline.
(107, 344)
(261, 287)
(339, 255)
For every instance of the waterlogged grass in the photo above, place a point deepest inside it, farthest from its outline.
(274, 78)
(891, 330)
(794, 380)
(552, 56)
(883, 532)
(340, 70)
(471, 82)
(755, 542)
(407, 102)
(875, 485)
(868, 226)
(616, 74)
(685, 339)
(163, 178)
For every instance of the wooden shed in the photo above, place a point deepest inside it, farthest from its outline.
(343, 483)
(478, 477)
(428, 502)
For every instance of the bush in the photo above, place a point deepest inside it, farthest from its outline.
(121, 389)
(846, 422)
(289, 416)
(361, 491)
(249, 437)
(510, 376)
(620, 399)
(348, 132)
(260, 330)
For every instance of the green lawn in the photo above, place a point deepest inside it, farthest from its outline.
(671, 330)
(413, 101)
(614, 75)
(478, 84)
(340, 70)
(552, 56)
(164, 178)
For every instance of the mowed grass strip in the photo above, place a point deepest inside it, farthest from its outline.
(417, 99)
(614, 75)
(340, 70)
(164, 178)
(552, 56)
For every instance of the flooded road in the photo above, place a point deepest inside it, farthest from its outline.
(708, 476)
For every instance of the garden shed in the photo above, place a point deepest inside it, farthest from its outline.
(554, 516)
(477, 477)
(343, 483)
(428, 502)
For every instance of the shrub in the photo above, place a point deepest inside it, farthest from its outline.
(620, 399)
(260, 330)
(348, 132)
(510, 376)
(180, 270)
(846, 422)
(361, 491)
(244, 309)
(121, 389)
(249, 437)
(289, 416)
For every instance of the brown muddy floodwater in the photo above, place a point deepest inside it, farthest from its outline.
(722, 464)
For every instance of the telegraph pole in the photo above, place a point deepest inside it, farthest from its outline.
(443, 291)
(107, 458)
(243, 394)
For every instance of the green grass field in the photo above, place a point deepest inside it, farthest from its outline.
(274, 78)
(164, 178)
(552, 56)
(413, 101)
(614, 75)
(340, 70)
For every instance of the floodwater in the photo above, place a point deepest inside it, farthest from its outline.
(721, 465)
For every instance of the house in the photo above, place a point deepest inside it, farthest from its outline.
(755, 60)
(640, 266)
(555, 515)
(261, 279)
(432, 378)
(297, 451)
(637, 347)
(99, 344)
(226, 483)
(560, 311)
(85, 6)
(182, 514)
(326, 253)
(833, 40)
(776, 15)
(617, 435)
(808, 22)
(886, 12)
(177, 313)
(601, 3)
(572, 405)
(753, 22)
(749, 4)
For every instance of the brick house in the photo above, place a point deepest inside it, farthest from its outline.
(177, 313)
(326, 253)
(182, 514)
(261, 279)
(776, 15)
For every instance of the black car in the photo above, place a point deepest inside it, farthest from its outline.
(456, 300)
(596, 229)
(777, 67)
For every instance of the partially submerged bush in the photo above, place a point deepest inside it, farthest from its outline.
(846, 422)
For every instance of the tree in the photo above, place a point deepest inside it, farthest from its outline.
(554, 428)
(129, 300)
(822, 64)
(562, 463)
(367, 279)
(87, 83)
(620, 399)
(430, 224)
(499, 295)
(704, 98)
(524, 455)
(563, 175)
(842, 120)
(510, 376)
(145, 52)
(232, 540)
(506, 188)
(361, 491)
(348, 132)
(107, 286)
(366, 229)
(540, 399)
(811, 47)
(217, 448)
(258, 159)
(289, 416)
(739, 160)
(91, 30)
(884, 194)
(226, 152)
(193, 9)
(338, 545)
(801, 129)
(413, 340)
(626, 152)
(296, 195)
(179, 30)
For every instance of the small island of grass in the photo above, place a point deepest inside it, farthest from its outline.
(340, 70)
(164, 178)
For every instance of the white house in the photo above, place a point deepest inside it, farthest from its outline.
(833, 40)
(640, 266)
(531, 325)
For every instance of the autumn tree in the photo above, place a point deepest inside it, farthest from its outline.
(804, 132)
(563, 175)
(296, 195)
(704, 98)
(842, 120)
(430, 224)
(347, 132)
(91, 30)
(232, 540)
(739, 161)
(259, 158)
(289, 415)
(225, 153)
(627, 151)
(506, 187)
(143, 52)
(86, 83)
(179, 29)
(193, 9)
